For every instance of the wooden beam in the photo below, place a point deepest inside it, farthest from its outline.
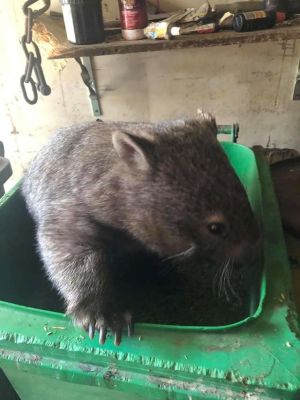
(49, 31)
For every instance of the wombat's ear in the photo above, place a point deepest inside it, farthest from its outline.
(209, 118)
(132, 149)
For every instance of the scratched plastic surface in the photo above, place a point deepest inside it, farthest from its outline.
(44, 356)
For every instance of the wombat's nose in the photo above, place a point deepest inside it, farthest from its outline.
(247, 249)
(248, 252)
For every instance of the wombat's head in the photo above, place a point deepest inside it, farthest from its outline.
(181, 193)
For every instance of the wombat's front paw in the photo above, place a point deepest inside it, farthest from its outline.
(91, 320)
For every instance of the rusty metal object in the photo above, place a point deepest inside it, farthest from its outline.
(274, 154)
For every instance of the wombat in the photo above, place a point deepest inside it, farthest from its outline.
(102, 193)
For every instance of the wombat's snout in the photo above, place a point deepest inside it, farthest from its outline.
(248, 252)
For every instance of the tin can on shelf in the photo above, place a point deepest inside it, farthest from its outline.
(83, 21)
(134, 18)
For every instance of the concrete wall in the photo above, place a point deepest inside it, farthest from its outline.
(251, 84)
(24, 128)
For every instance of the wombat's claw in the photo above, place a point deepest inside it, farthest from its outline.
(91, 330)
(115, 323)
(130, 329)
(130, 326)
(118, 337)
(102, 326)
(118, 332)
(102, 335)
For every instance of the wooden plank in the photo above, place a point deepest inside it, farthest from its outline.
(50, 31)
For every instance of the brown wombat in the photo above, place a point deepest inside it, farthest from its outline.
(102, 194)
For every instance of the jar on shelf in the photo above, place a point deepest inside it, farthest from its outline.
(134, 18)
(83, 21)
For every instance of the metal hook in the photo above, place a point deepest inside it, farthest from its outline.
(39, 12)
(33, 88)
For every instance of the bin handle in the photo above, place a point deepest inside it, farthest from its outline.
(232, 130)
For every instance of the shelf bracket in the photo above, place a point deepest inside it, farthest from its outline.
(87, 76)
(296, 95)
(5, 170)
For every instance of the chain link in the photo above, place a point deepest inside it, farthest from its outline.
(38, 12)
(33, 58)
(29, 25)
(33, 88)
(29, 67)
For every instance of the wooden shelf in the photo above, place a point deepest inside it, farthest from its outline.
(50, 31)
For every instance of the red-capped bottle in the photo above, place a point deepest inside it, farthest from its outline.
(134, 18)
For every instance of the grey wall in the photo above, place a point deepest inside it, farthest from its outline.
(251, 85)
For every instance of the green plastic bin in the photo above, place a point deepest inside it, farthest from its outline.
(45, 357)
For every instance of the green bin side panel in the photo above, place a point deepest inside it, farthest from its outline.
(33, 387)
(95, 383)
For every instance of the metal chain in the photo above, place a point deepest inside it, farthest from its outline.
(33, 58)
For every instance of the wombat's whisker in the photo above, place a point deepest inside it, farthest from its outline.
(227, 283)
(223, 280)
(230, 287)
(220, 280)
(185, 253)
(170, 267)
(216, 279)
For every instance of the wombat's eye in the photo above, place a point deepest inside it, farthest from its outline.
(216, 228)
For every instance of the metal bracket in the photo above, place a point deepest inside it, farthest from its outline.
(296, 95)
(5, 169)
(232, 130)
(89, 80)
